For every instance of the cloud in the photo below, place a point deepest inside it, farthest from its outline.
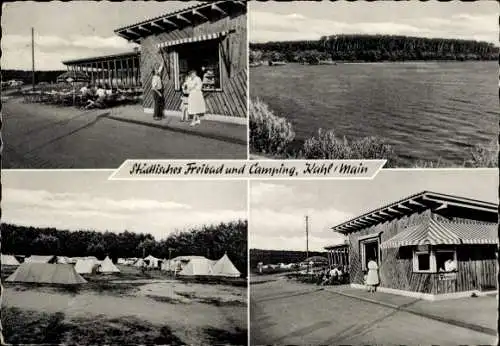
(267, 26)
(50, 51)
(285, 229)
(72, 201)
(81, 211)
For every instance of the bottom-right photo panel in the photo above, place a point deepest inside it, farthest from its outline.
(409, 257)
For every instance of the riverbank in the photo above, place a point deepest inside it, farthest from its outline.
(274, 137)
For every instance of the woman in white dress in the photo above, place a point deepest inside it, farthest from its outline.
(372, 279)
(196, 103)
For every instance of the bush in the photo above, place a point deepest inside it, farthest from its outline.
(328, 146)
(484, 156)
(269, 134)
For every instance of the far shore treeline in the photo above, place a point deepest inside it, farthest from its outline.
(280, 256)
(211, 241)
(373, 48)
(26, 76)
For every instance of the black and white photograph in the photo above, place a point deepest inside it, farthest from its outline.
(90, 84)
(408, 81)
(87, 261)
(408, 258)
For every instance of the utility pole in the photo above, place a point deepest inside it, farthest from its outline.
(307, 236)
(33, 57)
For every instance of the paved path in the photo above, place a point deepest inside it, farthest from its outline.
(284, 312)
(40, 136)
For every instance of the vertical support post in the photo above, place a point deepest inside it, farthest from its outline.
(127, 69)
(33, 57)
(134, 79)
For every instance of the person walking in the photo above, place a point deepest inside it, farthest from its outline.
(372, 279)
(157, 88)
(196, 102)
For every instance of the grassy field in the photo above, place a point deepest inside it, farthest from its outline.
(131, 307)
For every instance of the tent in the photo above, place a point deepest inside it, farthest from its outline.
(139, 263)
(86, 266)
(179, 262)
(121, 261)
(9, 260)
(46, 273)
(40, 259)
(62, 260)
(224, 267)
(107, 266)
(152, 261)
(198, 267)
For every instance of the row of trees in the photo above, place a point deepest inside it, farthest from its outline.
(373, 48)
(211, 241)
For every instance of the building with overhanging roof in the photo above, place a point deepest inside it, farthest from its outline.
(210, 38)
(116, 70)
(428, 245)
(338, 255)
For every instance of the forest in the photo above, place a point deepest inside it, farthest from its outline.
(373, 48)
(280, 256)
(26, 76)
(211, 241)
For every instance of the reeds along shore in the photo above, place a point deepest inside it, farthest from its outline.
(273, 137)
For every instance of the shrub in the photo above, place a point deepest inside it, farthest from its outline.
(328, 146)
(484, 156)
(269, 134)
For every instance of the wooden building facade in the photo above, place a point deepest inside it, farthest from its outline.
(428, 245)
(210, 38)
(118, 70)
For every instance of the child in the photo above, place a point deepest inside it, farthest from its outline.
(184, 102)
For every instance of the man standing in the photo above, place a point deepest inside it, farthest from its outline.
(157, 88)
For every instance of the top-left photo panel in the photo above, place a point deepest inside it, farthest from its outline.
(91, 84)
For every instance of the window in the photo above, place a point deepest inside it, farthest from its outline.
(422, 262)
(434, 261)
(369, 251)
(203, 57)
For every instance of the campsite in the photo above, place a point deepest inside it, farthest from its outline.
(186, 299)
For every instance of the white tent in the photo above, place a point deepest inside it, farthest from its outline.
(40, 259)
(62, 260)
(224, 267)
(139, 263)
(197, 267)
(86, 266)
(107, 266)
(121, 261)
(9, 260)
(153, 261)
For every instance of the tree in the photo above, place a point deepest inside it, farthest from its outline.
(45, 245)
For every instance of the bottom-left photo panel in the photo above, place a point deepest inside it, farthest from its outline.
(87, 260)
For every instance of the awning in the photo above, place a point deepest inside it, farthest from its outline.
(444, 233)
(205, 37)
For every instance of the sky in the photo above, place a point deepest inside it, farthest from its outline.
(77, 200)
(70, 30)
(275, 21)
(278, 208)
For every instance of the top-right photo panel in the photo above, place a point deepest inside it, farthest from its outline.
(411, 82)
